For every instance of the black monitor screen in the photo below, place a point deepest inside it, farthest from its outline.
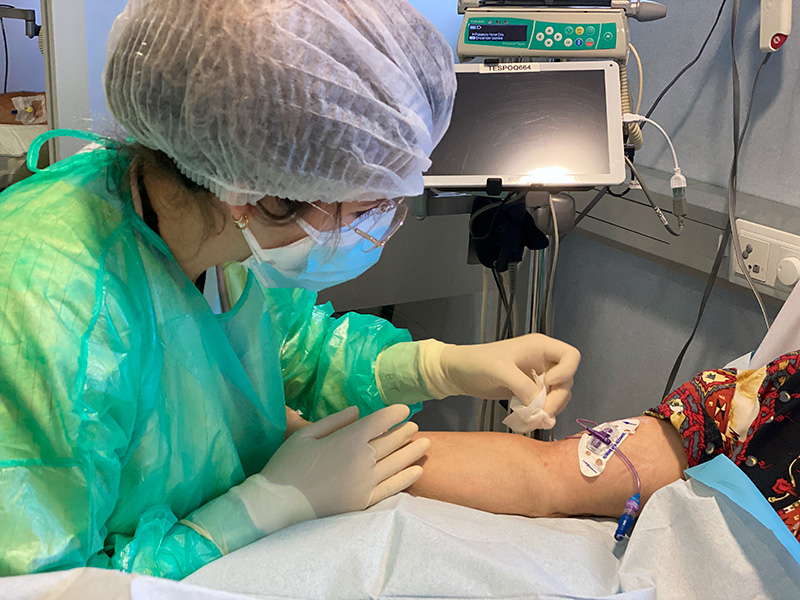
(498, 33)
(512, 124)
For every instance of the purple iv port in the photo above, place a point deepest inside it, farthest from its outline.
(632, 506)
(600, 438)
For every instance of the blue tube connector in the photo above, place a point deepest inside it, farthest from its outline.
(632, 507)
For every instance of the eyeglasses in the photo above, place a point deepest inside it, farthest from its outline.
(372, 226)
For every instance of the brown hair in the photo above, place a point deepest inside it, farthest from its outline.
(283, 212)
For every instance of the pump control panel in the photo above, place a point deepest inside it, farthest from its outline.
(578, 34)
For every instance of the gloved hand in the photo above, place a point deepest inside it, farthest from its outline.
(336, 465)
(410, 372)
(341, 464)
(502, 369)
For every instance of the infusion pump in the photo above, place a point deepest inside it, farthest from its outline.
(550, 28)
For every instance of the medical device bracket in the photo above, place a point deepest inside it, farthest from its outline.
(29, 16)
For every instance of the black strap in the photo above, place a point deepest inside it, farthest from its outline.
(149, 215)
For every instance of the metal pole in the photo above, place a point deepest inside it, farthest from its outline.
(534, 291)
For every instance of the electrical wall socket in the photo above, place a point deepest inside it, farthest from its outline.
(755, 254)
(772, 258)
(788, 270)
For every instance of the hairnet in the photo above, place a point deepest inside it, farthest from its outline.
(332, 100)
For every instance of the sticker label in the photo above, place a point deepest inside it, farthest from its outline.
(510, 68)
(594, 453)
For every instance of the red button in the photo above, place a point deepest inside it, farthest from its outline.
(777, 40)
(590, 43)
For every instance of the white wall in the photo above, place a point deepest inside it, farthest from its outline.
(443, 14)
(697, 113)
(100, 15)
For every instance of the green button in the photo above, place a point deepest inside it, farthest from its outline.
(569, 31)
(590, 30)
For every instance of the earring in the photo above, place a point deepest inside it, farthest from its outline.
(241, 222)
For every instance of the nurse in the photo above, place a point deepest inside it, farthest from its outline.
(140, 431)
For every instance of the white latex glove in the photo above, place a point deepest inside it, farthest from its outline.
(500, 370)
(341, 464)
(335, 465)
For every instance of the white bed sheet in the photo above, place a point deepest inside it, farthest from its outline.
(417, 548)
(783, 336)
(690, 542)
(14, 143)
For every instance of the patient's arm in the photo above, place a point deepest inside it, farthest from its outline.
(512, 474)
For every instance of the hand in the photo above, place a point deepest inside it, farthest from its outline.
(502, 369)
(342, 464)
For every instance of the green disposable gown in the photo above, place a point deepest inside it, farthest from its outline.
(126, 405)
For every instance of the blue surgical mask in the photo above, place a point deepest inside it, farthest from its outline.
(318, 261)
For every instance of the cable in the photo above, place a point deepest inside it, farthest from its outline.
(551, 276)
(501, 290)
(712, 278)
(690, 65)
(484, 305)
(738, 140)
(655, 206)
(497, 317)
(5, 47)
(633, 118)
(507, 299)
(621, 194)
(726, 237)
(512, 286)
(488, 207)
(583, 214)
(677, 182)
(484, 339)
(641, 77)
(479, 212)
(632, 130)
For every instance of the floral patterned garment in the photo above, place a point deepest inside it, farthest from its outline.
(753, 417)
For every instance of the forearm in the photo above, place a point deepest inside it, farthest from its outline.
(511, 474)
